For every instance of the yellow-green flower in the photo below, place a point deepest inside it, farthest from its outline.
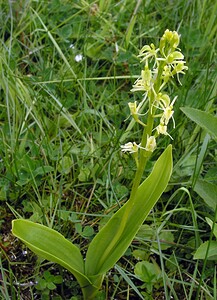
(178, 68)
(167, 73)
(133, 108)
(144, 82)
(134, 111)
(148, 51)
(150, 144)
(162, 129)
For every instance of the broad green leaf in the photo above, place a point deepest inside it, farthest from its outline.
(43, 170)
(115, 237)
(147, 272)
(52, 246)
(207, 191)
(141, 254)
(65, 165)
(203, 119)
(202, 250)
(166, 240)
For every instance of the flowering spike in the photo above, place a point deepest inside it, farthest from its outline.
(166, 62)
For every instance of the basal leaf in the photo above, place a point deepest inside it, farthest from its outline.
(52, 246)
(112, 240)
(203, 119)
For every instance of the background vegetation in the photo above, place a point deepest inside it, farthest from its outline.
(66, 70)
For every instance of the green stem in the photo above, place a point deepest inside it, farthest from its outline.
(143, 159)
(90, 291)
(144, 155)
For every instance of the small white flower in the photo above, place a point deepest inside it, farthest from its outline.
(130, 147)
(78, 57)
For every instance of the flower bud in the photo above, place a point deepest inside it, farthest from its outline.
(169, 42)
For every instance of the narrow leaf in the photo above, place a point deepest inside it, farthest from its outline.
(52, 246)
(203, 119)
(125, 276)
(207, 191)
(107, 247)
(132, 23)
(212, 226)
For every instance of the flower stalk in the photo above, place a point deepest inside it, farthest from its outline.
(161, 65)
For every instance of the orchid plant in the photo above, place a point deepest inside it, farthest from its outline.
(110, 243)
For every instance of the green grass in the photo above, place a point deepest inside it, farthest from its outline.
(61, 126)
